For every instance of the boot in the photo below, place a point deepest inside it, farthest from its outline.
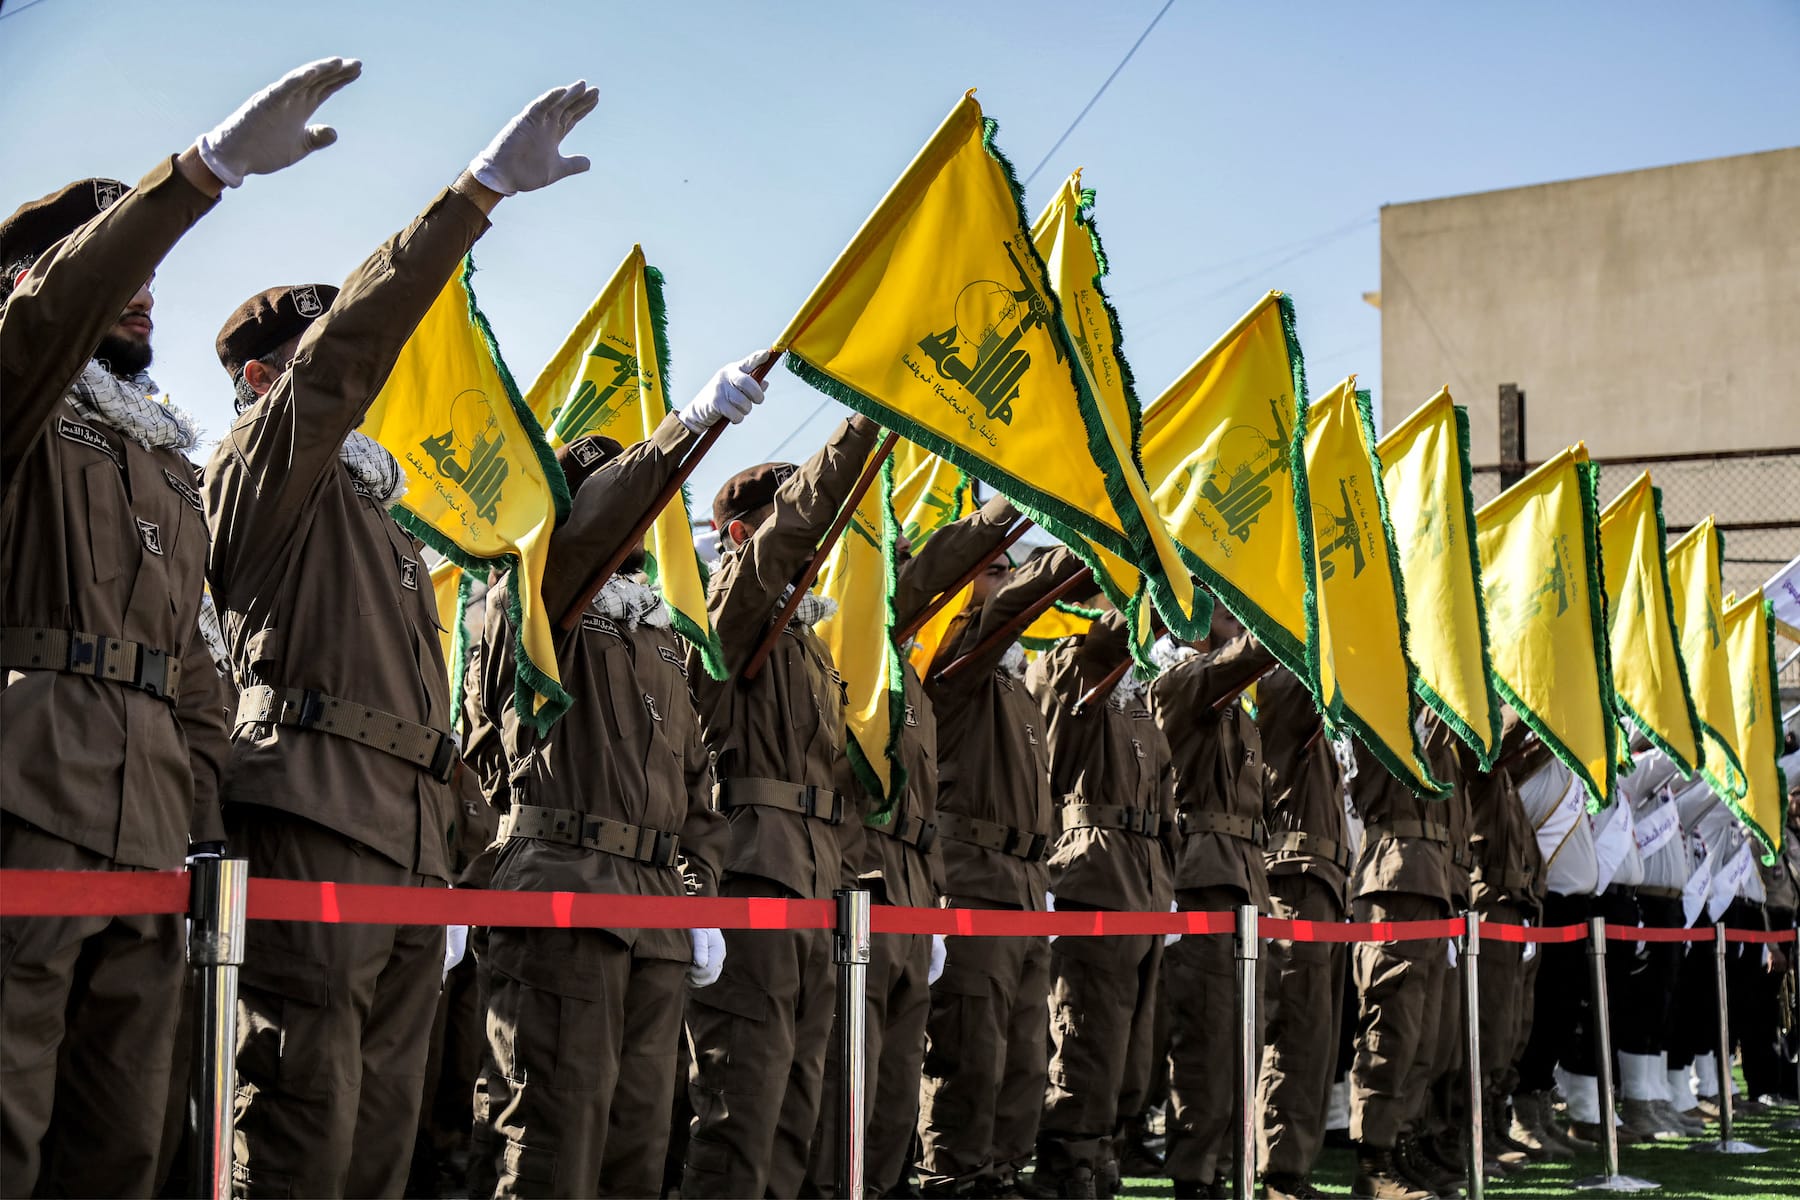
(1689, 1123)
(1528, 1130)
(1419, 1171)
(1548, 1127)
(1495, 1150)
(1194, 1189)
(1107, 1177)
(1646, 1116)
(1283, 1186)
(1377, 1178)
(1448, 1159)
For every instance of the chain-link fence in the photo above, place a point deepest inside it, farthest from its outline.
(1754, 495)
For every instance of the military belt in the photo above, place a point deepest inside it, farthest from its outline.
(308, 708)
(1301, 842)
(1659, 893)
(1461, 856)
(808, 800)
(1077, 814)
(1192, 820)
(115, 660)
(639, 843)
(914, 832)
(990, 835)
(1429, 831)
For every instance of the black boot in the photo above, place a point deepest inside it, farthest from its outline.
(1377, 1178)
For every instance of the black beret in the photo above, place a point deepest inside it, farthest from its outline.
(584, 456)
(268, 319)
(39, 224)
(748, 491)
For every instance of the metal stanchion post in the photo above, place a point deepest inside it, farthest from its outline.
(1471, 960)
(1790, 1124)
(1726, 1143)
(1249, 949)
(215, 951)
(1611, 1181)
(851, 942)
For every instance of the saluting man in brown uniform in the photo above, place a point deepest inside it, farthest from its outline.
(1403, 874)
(111, 712)
(981, 1097)
(1109, 764)
(1308, 859)
(333, 632)
(758, 1034)
(1199, 702)
(583, 1024)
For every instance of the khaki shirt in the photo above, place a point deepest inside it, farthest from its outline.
(895, 871)
(317, 586)
(1108, 753)
(1304, 790)
(993, 757)
(629, 749)
(1418, 865)
(1218, 760)
(788, 723)
(99, 535)
(1509, 866)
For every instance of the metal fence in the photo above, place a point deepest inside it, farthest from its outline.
(1754, 495)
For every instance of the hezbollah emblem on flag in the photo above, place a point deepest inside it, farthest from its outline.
(980, 352)
(471, 453)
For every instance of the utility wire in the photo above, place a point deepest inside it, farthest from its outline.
(1092, 100)
(15, 10)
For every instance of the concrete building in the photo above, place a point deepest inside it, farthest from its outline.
(1652, 313)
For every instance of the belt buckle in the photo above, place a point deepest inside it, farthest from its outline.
(153, 672)
(809, 800)
(87, 654)
(927, 835)
(443, 759)
(312, 707)
(1036, 847)
(666, 848)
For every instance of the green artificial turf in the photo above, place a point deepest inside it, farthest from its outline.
(1682, 1168)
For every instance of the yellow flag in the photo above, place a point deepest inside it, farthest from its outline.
(859, 575)
(1756, 720)
(483, 488)
(1425, 473)
(1070, 244)
(929, 493)
(1064, 619)
(610, 376)
(1222, 455)
(939, 321)
(1698, 595)
(450, 588)
(1540, 570)
(1650, 682)
(1366, 677)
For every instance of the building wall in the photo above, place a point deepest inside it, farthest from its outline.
(1649, 312)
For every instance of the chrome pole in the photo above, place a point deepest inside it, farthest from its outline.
(1726, 1143)
(215, 950)
(1471, 958)
(851, 943)
(1611, 1181)
(1249, 948)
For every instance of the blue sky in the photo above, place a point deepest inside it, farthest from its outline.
(1245, 147)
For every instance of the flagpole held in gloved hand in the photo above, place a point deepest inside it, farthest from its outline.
(905, 633)
(1011, 629)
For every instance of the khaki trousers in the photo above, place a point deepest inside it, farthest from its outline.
(1103, 996)
(1201, 975)
(88, 1010)
(1399, 986)
(758, 1038)
(986, 1057)
(334, 1025)
(575, 1021)
(1304, 1010)
(898, 1004)
(1505, 1003)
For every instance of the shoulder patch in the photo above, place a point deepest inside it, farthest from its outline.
(668, 655)
(593, 622)
(87, 435)
(185, 490)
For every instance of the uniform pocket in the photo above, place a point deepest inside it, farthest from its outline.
(105, 519)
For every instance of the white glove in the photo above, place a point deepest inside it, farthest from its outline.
(1530, 951)
(1169, 939)
(527, 154)
(456, 944)
(269, 130)
(1450, 951)
(709, 956)
(1050, 906)
(728, 396)
(937, 958)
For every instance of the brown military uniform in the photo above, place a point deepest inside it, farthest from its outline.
(1403, 874)
(985, 1057)
(1308, 859)
(1508, 870)
(1109, 765)
(758, 1035)
(320, 590)
(616, 798)
(98, 537)
(901, 863)
(1219, 793)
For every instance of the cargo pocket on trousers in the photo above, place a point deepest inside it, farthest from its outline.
(522, 1163)
(737, 1010)
(283, 1003)
(951, 1017)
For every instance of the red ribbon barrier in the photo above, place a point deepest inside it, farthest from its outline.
(92, 893)
(131, 893)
